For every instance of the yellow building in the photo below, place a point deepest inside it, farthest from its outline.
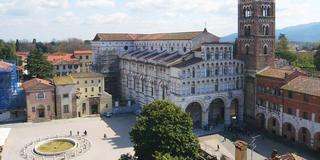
(91, 97)
(85, 60)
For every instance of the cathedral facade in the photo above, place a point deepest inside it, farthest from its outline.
(211, 80)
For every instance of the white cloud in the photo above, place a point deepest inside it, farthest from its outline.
(50, 3)
(67, 18)
(115, 18)
(95, 3)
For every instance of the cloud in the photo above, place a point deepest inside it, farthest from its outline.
(67, 18)
(95, 3)
(115, 18)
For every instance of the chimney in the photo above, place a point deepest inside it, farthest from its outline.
(241, 150)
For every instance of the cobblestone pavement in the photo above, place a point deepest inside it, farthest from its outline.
(116, 128)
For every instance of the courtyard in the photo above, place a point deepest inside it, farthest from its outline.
(116, 128)
(118, 142)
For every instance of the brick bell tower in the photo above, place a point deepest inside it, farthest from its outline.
(255, 43)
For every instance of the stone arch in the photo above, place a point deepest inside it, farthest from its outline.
(274, 125)
(194, 109)
(289, 131)
(216, 111)
(260, 121)
(317, 141)
(304, 136)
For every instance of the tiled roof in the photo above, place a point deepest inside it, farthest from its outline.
(5, 67)
(275, 73)
(87, 75)
(303, 84)
(63, 80)
(185, 63)
(58, 58)
(35, 82)
(146, 37)
(84, 52)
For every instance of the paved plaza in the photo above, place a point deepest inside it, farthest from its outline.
(116, 128)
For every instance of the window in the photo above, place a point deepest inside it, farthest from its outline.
(126, 48)
(208, 56)
(80, 57)
(92, 89)
(87, 57)
(65, 108)
(40, 95)
(305, 115)
(99, 89)
(208, 72)
(193, 73)
(305, 98)
(86, 90)
(290, 94)
(247, 50)
(57, 67)
(92, 81)
(85, 82)
(48, 108)
(184, 49)
(193, 88)
(265, 50)
(247, 30)
(65, 95)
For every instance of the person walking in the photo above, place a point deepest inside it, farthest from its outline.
(105, 136)
(85, 132)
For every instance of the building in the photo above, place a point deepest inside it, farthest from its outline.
(65, 97)
(255, 44)
(63, 64)
(192, 69)
(11, 94)
(288, 105)
(107, 47)
(85, 59)
(40, 99)
(92, 99)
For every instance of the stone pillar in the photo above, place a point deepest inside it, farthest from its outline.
(241, 112)
(227, 118)
(266, 124)
(313, 117)
(298, 113)
(205, 117)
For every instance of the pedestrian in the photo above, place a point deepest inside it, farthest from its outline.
(85, 132)
(70, 133)
(78, 133)
(105, 136)
(218, 147)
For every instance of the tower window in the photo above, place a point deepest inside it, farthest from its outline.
(247, 49)
(247, 30)
(265, 50)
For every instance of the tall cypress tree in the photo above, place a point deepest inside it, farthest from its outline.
(317, 58)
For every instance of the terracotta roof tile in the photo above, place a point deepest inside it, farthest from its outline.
(85, 52)
(34, 82)
(303, 84)
(4, 66)
(58, 58)
(275, 73)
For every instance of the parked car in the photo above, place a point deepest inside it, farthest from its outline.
(107, 114)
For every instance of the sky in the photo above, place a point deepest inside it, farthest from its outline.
(46, 20)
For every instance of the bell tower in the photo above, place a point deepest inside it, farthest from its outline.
(256, 33)
(255, 44)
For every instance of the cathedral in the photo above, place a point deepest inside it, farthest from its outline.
(213, 81)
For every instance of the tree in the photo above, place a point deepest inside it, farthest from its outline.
(287, 55)
(38, 65)
(283, 44)
(8, 52)
(164, 128)
(127, 157)
(317, 58)
(161, 156)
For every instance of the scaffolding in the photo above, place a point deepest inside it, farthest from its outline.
(11, 94)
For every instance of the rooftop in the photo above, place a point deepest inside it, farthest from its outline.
(5, 67)
(185, 63)
(303, 84)
(58, 58)
(275, 73)
(83, 52)
(146, 37)
(63, 80)
(34, 82)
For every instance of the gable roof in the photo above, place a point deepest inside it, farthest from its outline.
(5, 67)
(63, 80)
(35, 82)
(303, 84)
(146, 37)
(275, 73)
(58, 58)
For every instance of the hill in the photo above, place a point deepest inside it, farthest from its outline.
(300, 33)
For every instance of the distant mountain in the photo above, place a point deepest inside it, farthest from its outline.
(300, 33)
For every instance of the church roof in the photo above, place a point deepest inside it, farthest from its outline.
(188, 62)
(146, 37)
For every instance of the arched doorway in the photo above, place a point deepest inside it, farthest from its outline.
(216, 112)
(274, 126)
(234, 110)
(260, 121)
(304, 136)
(195, 111)
(317, 141)
(288, 131)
